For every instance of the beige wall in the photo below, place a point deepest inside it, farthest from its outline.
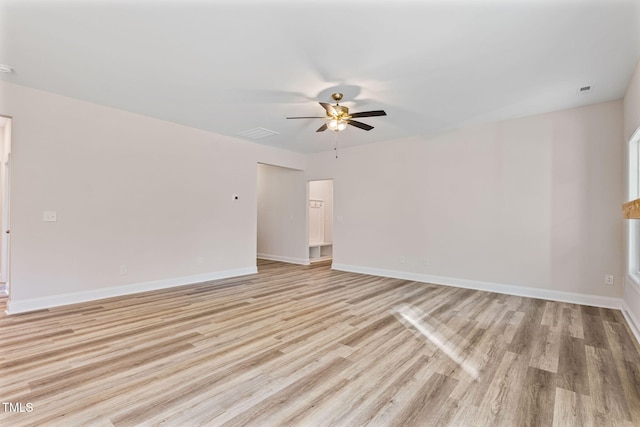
(532, 202)
(129, 190)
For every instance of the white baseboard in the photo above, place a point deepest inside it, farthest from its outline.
(632, 320)
(290, 260)
(523, 291)
(23, 306)
(631, 285)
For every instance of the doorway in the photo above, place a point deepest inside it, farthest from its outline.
(281, 215)
(320, 205)
(5, 155)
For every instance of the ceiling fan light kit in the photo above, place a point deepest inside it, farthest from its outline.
(337, 125)
(338, 116)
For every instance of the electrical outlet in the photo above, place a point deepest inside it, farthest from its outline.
(608, 279)
(200, 260)
(49, 216)
(123, 269)
(403, 259)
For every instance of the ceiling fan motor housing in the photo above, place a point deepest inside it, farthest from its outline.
(340, 112)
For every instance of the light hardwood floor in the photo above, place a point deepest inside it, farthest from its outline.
(308, 346)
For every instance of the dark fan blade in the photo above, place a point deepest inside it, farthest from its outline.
(329, 109)
(369, 113)
(359, 125)
(314, 117)
(322, 128)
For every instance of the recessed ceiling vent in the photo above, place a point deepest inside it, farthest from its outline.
(585, 90)
(258, 133)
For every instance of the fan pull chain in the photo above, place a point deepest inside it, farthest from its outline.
(335, 143)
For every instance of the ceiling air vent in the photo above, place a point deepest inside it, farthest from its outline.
(585, 90)
(257, 133)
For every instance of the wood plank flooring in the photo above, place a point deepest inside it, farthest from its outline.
(308, 346)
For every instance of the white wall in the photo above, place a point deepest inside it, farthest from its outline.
(282, 215)
(631, 296)
(532, 202)
(128, 189)
(323, 190)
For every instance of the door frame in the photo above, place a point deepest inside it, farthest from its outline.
(5, 194)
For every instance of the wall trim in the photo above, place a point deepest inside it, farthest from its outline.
(631, 319)
(23, 306)
(287, 259)
(631, 283)
(501, 288)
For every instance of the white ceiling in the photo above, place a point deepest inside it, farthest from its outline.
(228, 67)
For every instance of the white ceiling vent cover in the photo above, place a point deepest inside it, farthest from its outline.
(258, 133)
(585, 90)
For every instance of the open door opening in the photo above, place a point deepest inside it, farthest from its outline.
(281, 216)
(320, 220)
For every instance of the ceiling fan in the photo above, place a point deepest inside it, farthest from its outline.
(338, 116)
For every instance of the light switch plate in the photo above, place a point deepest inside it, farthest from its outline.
(49, 216)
